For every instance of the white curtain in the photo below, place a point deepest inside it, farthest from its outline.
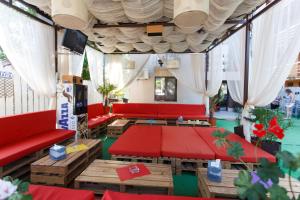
(29, 45)
(276, 44)
(234, 50)
(76, 64)
(96, 65)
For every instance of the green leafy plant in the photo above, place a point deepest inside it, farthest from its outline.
(268, 174)
(106, 89)
(14, 189)
(85, 70)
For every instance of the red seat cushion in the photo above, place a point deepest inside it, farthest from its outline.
(221, 152)
(17, 150)
(40, 192)
(95, 110)
(135, 108)
(19, 127)
(181, 109)
(137, 115)
(138, 141)
(184, 142)
(110, 195)
(92, 123)
(185, 117)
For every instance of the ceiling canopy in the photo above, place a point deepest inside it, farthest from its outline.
(120, 25)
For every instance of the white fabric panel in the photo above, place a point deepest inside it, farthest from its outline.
(107, 11)
(96, 64)
(143, 11)
(133, 32)
(175, 37)
(196, 38)
(122, 38)
(161, 47)
(108, 41)
(179, 46)
(107, 49)
(142, 47)
(200, 47)
(76, 64)
(124, 47)
(108, 32)
(168, 8)
(151, 40)
(277, 30)
(219, 11)
(246, 7)
(235, 54)
(29, 45)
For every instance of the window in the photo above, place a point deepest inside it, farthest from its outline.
(165, 88)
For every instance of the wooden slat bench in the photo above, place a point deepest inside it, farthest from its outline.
(102, 175)
(134, 159)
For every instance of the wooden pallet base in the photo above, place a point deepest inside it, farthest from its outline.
(189, 165)
(238, 165)
(134, 159)
(97, 131)
(168, 161)
(49, 172)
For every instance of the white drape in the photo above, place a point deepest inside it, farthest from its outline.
(235, 64)
(29, 45)
(275, 46)
(76, 64)
(96, 64)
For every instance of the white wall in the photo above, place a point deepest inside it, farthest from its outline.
(142, 91)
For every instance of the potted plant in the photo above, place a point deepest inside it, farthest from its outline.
(263, 183)
(264, 116)
(106, 89)
(213, 106)
(14, 189)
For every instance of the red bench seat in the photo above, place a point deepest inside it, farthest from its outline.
(221, 152)
(160, 111)
(40, 192)
(144, 141)
(110, 195)
(97, 116)
(27, 133)
(184, 142)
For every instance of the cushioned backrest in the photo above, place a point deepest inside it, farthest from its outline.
(17, 127)
(95, 110)
(135, 108)
(182, 109)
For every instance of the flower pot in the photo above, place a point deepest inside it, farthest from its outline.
(239, 130)
(271, 147)
(213, 121)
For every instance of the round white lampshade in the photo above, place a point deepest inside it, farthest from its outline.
(72, 14)
(191, 13)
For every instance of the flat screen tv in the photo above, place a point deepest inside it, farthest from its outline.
(74, 40)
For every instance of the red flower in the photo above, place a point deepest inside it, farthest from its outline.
(259, 132)
(275, 128)
(273, 122)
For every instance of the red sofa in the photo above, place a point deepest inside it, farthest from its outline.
(40, 192)
(160, 111)
(97, 116)
(221, 152)
(110, 195)
(25, 134)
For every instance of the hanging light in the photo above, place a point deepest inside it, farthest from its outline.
(72, 14)
(192, 13)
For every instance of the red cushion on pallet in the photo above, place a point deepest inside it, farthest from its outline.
(221, 152)
(185, 117)
(135, 108)
(40, 192)
(110, 195)
(181, 109)
(138, 141)
(137, 115)
(17, 150)
(184, 142)
(95, 110)
(19, 127)
(92, 123)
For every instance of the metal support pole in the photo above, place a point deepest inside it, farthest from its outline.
(247, 62)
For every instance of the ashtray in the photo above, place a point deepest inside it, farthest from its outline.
(134, 169)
